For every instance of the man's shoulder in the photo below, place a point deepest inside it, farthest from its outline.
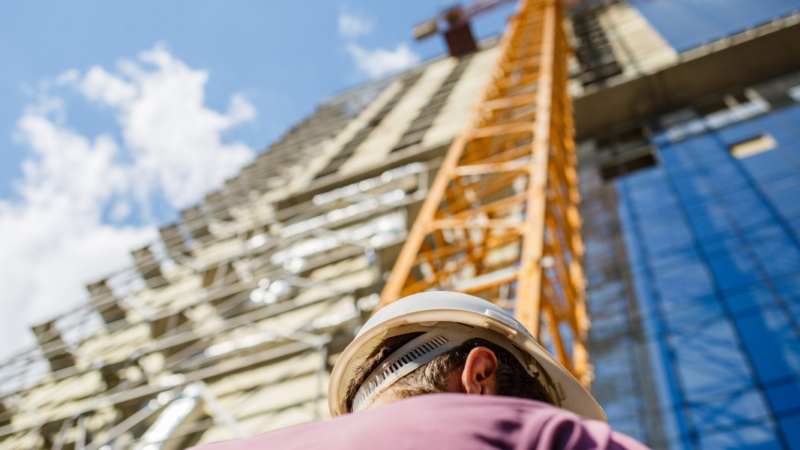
(433, 420)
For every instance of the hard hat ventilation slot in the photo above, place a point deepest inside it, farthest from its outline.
(397, 367)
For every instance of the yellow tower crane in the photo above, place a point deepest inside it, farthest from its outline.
(501, 220)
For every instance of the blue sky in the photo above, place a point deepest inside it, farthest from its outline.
(284, 57)
(116, 115)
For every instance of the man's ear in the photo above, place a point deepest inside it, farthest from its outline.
(478, 376)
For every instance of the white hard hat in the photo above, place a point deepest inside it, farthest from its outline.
(448, 319)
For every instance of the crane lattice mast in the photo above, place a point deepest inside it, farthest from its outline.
(501, 218)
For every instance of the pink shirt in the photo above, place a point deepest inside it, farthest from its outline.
(446, 421)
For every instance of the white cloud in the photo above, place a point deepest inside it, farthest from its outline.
(381, 61)
(352, 26)
(240, 110)
(54, 238)
(69, 76)
(106, 88)
(174, 139)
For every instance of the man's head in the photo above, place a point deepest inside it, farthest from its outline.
(449, 342)
(475, 367)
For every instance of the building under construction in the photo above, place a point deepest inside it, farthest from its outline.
(623, 176)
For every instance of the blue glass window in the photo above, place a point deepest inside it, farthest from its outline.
(739, 132)
(686, 24)
(710, 220)
(679, 161)
(776, 251)
(791, 429)
(731, 265)
(733, 271)
(692, 311)
(727, 178)
(693, 190)
(789, 288)
(785, 196)
(663, 241)
(749, 300)
(756, 437)
(748, 209)
(661, 263)
(746, 406)
(785, 398)
(768, 166)
(709, 361)
(688, 280)
(772, 344)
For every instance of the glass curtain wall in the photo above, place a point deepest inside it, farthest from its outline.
(687, 24)
(712, 236)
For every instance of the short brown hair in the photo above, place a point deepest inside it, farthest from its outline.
(512, 379)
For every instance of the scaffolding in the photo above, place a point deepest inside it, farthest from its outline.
(228, 324)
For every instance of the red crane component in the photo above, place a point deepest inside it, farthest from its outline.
(454, 24)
